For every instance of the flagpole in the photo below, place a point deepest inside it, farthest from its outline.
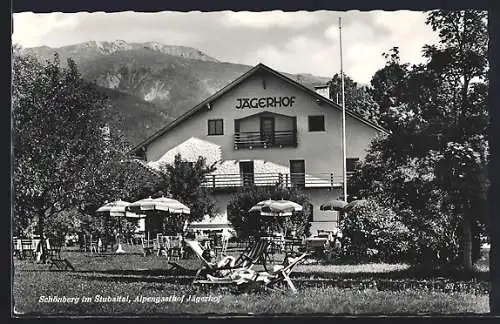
(344, 166)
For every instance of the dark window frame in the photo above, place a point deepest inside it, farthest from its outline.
(351, 164)
(315, 118)
(214, 128)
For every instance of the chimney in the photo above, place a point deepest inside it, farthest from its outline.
(323, 90)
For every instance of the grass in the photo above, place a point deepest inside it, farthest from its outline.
(134, 275)
(30, 286)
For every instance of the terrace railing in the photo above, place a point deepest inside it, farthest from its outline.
(252, 140)
(307, 180)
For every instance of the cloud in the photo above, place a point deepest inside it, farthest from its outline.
(268, 19)
(300, 54)
(405, 33)
(364, 41)
(293, 42)
(29, 28)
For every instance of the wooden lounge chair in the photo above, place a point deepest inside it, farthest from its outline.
(268, 280)
(61, 264)
(282, 274)
(226, 265)
(253, 254)
(245, 278)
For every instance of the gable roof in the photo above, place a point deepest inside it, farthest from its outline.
(205, 104)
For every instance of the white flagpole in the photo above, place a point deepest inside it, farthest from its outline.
(344, 171)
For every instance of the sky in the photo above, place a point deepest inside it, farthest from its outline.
(293, 42)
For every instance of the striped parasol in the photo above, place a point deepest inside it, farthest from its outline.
(276, 207)
(163, 204)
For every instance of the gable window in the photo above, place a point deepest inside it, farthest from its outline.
(351, 164)
(317, 123)
(215, 127)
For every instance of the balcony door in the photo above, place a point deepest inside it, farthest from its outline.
(247, 173)
(298, 172)
(267, 128)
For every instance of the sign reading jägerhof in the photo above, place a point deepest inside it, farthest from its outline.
(265, 102)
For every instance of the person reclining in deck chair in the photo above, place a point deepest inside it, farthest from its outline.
(280, 273)
(227, 264)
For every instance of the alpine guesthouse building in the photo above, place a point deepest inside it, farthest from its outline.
(265, 128)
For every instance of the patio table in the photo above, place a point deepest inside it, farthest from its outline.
(312, 242)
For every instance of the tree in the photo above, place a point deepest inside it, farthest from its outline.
(433, 162)
(460, 58)
(389, 85)
(183, 180)
(357, 98)
(57, 137)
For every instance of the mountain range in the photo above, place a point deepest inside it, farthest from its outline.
(150, 84)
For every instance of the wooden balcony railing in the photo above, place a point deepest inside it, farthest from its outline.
(252, 140)
(308, 180)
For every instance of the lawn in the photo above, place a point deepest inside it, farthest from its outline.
(147, 288)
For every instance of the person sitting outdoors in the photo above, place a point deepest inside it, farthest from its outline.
(226, 262)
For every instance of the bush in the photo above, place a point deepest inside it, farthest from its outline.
(250, 224)
(372, 231)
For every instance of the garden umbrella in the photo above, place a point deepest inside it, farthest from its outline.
(339, 205)
(276, 208)
(163, 204)
(335, 205)
(117, 209)
(259, 205)
(280, 208)
(353, 204)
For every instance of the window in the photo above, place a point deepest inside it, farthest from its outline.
(298, 173)
(351, 164)
(247, 172)
(215, 127)
(316, 123)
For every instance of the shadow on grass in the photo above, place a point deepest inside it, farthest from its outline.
(417, 272)
(143, 272)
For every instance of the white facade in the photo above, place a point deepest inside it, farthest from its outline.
(265, 128)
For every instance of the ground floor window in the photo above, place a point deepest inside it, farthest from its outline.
(351, 164)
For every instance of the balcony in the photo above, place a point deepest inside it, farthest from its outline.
(309, 180)
(251, 140)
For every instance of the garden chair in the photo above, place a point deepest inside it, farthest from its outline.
(27, 250)
(227, 264)
(269, 280)
(147, 249)
(254, 253)
(17, 249)
(95, 245)
(175, 251)
(225, 243)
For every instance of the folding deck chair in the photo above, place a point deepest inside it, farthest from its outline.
(282, 274)
(227, 264)
(245, 278)
(253, 254)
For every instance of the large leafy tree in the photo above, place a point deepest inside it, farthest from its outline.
(60, 140)
(183, 180)
(388, 85)
(436, 154)
(357, 97)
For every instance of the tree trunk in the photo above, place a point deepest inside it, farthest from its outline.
(41, 255)
(467, 241)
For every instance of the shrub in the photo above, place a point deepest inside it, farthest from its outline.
(371, 230)
(247, 224)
